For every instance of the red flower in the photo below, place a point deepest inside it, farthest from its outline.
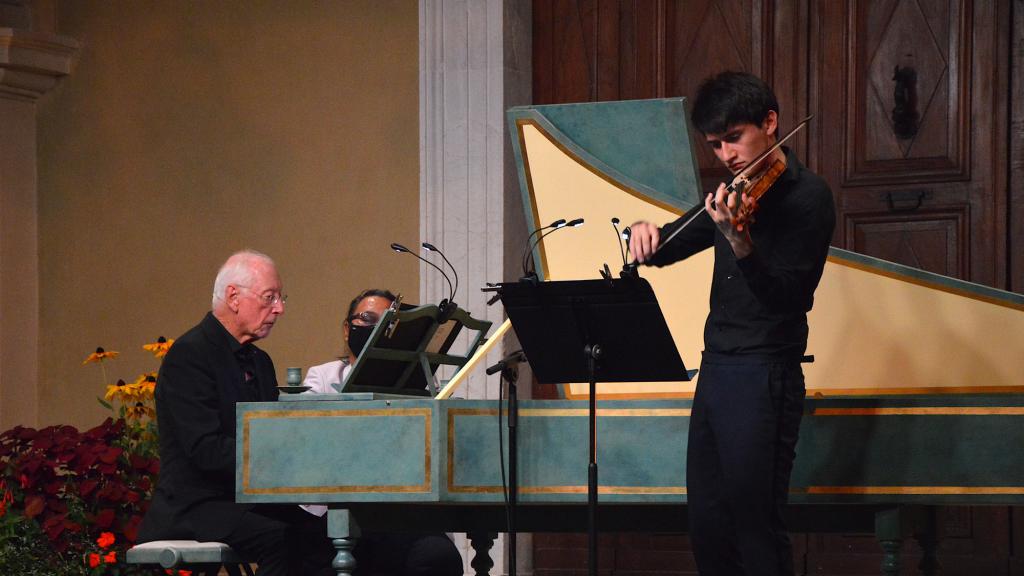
(94, 560)
(110, 557)
(5, 497)
(105, 539)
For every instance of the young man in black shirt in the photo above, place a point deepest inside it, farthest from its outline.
(749, 399)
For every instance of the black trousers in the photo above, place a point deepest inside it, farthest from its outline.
(285, 540)
(743, 433)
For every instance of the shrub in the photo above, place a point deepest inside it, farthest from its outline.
(71, 502)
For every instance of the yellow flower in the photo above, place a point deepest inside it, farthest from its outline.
(115, 391)
(160, 347)
(137, 411)
(111, 391)
(145, 377)
(100, 355)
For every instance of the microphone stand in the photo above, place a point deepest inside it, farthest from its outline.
(510, 373)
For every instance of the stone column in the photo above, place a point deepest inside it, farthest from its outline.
(31, 63)
(475, 62)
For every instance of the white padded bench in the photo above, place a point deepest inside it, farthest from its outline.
(188, 553)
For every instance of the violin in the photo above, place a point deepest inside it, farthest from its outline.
(764, 181)
(745, 210)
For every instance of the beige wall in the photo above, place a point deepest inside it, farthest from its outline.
(190, 130)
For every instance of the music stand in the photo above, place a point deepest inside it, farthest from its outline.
(406, 347)
(610, 330)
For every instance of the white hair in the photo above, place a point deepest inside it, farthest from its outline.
(238, 270)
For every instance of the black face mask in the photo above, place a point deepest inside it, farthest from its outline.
(357, 337)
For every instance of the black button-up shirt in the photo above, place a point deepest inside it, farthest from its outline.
(759, 304)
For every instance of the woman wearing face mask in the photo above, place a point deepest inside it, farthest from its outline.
(363, 313)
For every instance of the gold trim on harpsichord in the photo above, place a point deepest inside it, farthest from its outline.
(247, 417)
(918, 391)
(911, 490)
(520, 123)
(923, 411)
(568, 394)
(558, 412)
(652, 490)
(608, 412)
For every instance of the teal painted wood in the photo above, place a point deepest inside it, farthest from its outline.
(933, 449)
(640, 456)
(643, 144)
(960, 449)
(315, 451)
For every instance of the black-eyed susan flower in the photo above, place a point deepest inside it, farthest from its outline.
(139, 411)
(160, 347)
(100, 355)
(116, 391)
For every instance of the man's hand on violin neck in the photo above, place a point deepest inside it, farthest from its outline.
(723, 206)
(643, 240)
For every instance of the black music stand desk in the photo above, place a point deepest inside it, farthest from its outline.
(609, 330)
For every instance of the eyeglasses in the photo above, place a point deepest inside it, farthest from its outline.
(268, 299)
(366, 318)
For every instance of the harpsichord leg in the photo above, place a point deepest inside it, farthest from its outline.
(482, 543)
(889, 531)
(343, 531)
(344, 562)
(927, 538)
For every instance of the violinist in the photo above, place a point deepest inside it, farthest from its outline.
(750, 393)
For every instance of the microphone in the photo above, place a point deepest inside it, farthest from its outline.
(431, 248)
(556, 224)
(399, 248)
(619, 237)
(570, 224)
(509, 361)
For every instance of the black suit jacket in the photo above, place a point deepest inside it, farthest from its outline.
(199, 383)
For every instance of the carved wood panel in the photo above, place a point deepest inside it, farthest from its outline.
(595, 50)
(909, 83)
(706, 37)
(912, 123)
(912, 241)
